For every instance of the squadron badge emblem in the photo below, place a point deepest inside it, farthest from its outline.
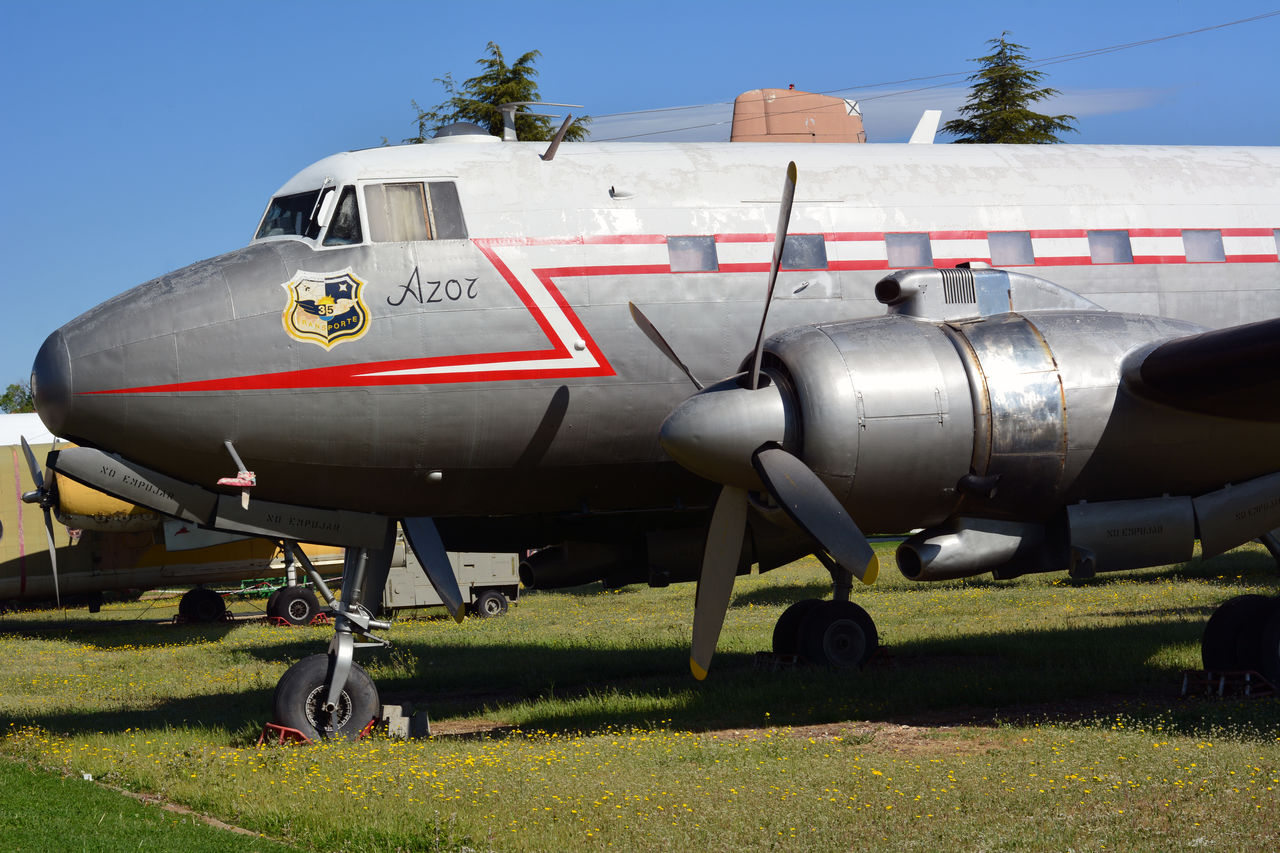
(325, 308)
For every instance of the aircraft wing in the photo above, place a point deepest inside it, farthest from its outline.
(1233, 372)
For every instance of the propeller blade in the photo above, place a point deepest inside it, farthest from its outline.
(719, 568)
(32, 466)
(804, 497)
(53, 554)
(779, 240)
(651, 332)
(43, 497)
(427, 546)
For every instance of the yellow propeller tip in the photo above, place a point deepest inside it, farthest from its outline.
(459, 615)
(698, 672)
(872, 572)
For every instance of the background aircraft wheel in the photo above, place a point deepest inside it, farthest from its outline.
(201, 605)
(786, 631)
(839, 634)
(1233, 635)
(272, 599)
(297, 605)
(490, 603)
(300, 694)
(1269, 649)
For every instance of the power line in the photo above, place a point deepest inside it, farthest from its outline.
(1052, 60)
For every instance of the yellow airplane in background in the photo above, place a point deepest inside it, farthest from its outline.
(105, 544)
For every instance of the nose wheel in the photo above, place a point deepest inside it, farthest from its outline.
(300, 700)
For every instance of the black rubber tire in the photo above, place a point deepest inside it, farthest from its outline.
(202, 605)
(1233, 635)
(1269, 647)
(786, 631)
(272, 599)
(838, 634)
(490, 603)
(300, 692)
(297, 605)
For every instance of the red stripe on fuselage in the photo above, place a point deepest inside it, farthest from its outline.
(409, 371)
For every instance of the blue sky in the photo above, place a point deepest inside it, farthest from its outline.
(145, 136)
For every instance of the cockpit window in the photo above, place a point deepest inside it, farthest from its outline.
(344, 226)
(397, 212)
(290, 216)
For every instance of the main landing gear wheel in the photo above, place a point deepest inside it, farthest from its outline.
(1269, 656)
(1233, 636)
(299, 699)
(839, 634)
(202, 605)
(786, 631)
(296, 605)
(490, 603)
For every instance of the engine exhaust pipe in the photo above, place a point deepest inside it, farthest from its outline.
(972, 546)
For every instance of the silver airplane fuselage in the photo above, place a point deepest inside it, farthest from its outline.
(494, 371)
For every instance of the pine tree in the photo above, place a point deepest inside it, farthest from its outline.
(998, 109)
(478, 99)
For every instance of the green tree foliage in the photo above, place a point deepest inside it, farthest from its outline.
(477, 100)
(17, 398)
(999, 106)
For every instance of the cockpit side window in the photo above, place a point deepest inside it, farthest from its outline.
(400, 212)
(344, 226)
(290, 216)
(397, 212)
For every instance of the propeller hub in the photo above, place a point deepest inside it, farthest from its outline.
(715, 432)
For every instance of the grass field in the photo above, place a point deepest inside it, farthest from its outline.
(1036, 714)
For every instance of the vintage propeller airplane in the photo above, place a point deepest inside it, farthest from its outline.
(1075, 367)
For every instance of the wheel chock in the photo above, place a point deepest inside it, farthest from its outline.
(1245, 682)
(320, 619)
(771, 662)
(280, 735)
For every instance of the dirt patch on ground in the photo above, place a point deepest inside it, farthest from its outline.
(470, 728)
(895, 737)
(153, 800)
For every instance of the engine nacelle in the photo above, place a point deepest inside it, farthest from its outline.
(911, 420)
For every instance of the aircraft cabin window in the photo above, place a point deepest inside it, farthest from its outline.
(400, 212)
(1011, 248)
(344, 227)
(804, 252)
(908, 250)
(446, 211)
(692, 254)
(1203, 246)
(1110, 247)
(290, 216)
(1275, 235)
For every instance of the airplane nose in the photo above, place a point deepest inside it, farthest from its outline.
(51, 383)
